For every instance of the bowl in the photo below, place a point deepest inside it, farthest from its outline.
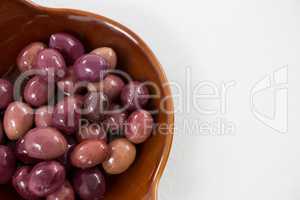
(22, 22)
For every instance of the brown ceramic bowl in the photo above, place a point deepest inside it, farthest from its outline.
(22, 22)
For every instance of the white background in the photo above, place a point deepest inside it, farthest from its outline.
(222, 41)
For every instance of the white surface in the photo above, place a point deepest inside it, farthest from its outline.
(223, 41)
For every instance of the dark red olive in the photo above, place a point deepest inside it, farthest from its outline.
(135, 95)
(66, 114)
(45, 178)
(95, 105)
(6, 93)
(89, 184)
(69, 46)
(20, 183)
(7, 164)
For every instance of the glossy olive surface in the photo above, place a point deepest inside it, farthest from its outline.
(89, 184)
(28, 55)
(89, 153)
(20, 183)
(45, 143)
(45, 178)
(6, 93)
(68, 83)
(22, 154)
(139, 126)
(95, 105)
(18, 119)
(7, 164)
(69, 46)
(122, 156)
(108, 54)
(91, 131)
(36, 92)
(65, 192)
(43, 116)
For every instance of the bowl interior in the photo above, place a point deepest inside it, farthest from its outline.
(21, 24)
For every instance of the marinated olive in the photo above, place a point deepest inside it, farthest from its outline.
(43, 116)
(139, 126)
(7, 164)
(45, 143)
(95, 104)
(69, 46)
(90, 67)
(18, 119)
(20, 183)
(6, 93)
(28, 55)
(108, 54)
(66, 114)
(89, 184)
(52, 64)
(46, 178)
(91, 131)
(115, 122)
(112, 86)
(36, 92)
(135, 95)
(68, 83)
(22, 154)
(66, 192)
(89, 153)
(122, 156)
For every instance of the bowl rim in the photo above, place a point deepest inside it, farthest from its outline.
(152, 192)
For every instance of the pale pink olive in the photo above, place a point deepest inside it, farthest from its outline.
(69, 46)
(91, 131)
(112, 86)
(28, 55)
(45, 143)
(68, 83)
(90, 67)
(122, 156)
(65, 192)
(18, 119)
(89, 184)
(51, 63)
(36, 92)
(43, 116)
(7, 164)
(6, 93)
(46, 178)
(135, 95)
(139, 126)
(20, 183)
(89, 153)
(66, 114)
(108, 54)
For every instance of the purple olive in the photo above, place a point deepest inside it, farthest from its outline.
(20, 183)
(45, 178)
(43, 116)
(135, 95)
(28, 55)
(95, 105)
(69, 46)
(112, 86)
(45, 143)
(7, 164)
(22, 154)
(66, 114)
(115, 119)
(52, 64)
(90, 67)
(36, 92)
(89, 184)
(68, 83)
(66, 192)
(6, 93)
(139, 126)
(91, 131)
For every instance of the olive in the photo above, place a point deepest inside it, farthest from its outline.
(95, 105)
(89, 184)
(46, 178)
(91, 131)
(108, 54)
(139, 126)
(68, 83)
(7, 164)
(66, 192)
(43, 116)
(69, 46)
(22, 154)
(6, 93)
